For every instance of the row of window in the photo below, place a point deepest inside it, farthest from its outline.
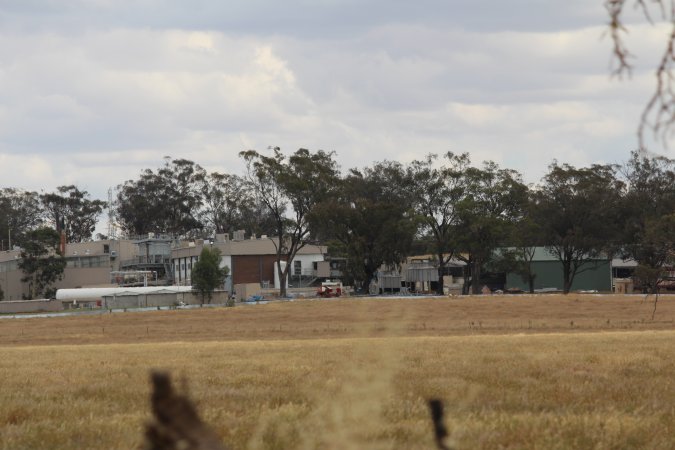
(88, 261)
(72, 262)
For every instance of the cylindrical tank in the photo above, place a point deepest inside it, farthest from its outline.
(98, 293)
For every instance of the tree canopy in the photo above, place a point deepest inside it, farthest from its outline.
(41, 262)
(20, 212)
(165, 201)
(371, 218)
(437, 192)
(71, 210)
(647, 207)
(494, 202)
(290, 187)
(378, 215)
(578, 210)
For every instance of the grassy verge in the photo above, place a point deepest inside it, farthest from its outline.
(597, 390)
(353, 375)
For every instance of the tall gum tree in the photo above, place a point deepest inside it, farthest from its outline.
(224, 198)
(71, 210)
(290, 187)
(437, 190)
(647, 208)
(20, 212)
(41, 262)
(494, 201)
(578, 210)
(370, 217)
(526, 236)
(165, 201)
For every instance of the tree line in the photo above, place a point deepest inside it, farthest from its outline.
(483, 215)
(34, 222)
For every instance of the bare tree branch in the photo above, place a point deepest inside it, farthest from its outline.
(659, 113)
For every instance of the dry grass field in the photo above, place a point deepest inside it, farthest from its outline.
(514, 372)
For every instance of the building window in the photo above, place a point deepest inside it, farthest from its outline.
(297, 267)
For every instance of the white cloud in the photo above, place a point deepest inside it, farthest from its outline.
(91, 92)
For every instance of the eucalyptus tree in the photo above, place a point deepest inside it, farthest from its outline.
(41, 262)
(656, 252)
(494, 201)
(370, 216)
(223, 197)
(647, 210)
(578, 209)
(290, 187)
(255, 217)
(437, 190)
(71, 210)
(526, 236)
(20, 212)
(166, 200)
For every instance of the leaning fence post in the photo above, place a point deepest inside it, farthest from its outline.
(440, 432)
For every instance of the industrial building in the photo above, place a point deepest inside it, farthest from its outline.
(251, 260)
(88, 264)
(159, 260)
(595, 274)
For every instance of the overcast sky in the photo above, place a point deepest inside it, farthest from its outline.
(94, 91)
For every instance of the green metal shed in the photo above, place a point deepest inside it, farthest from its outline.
(596, 274)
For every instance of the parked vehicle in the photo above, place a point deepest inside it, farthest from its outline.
(330, 289)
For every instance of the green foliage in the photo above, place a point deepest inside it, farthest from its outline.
(578, 210)
(290, 188)
(229, 204)
(207, 275)
(71, 210)
(526, 235)
(656, 252)
(495, 199)
(369, 216)
(165, 201)
(379, 215)
(647, 208)
(225, 199)
(41, 261)
(436, 195)
(20, 212)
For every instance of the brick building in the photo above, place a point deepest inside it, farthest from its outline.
(250, 260)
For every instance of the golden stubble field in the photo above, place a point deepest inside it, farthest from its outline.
(514, 372)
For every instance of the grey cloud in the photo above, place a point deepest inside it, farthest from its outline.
(112, 86)
(302, 18)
